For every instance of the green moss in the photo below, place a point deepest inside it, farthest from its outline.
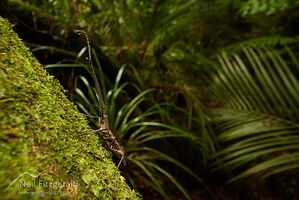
(38, 125)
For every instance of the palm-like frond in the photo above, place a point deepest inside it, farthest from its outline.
(257, 114)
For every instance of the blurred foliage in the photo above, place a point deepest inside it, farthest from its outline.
(268, 7)
(257, 114)
(210, 88)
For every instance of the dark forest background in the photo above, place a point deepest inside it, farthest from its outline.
(203, 95)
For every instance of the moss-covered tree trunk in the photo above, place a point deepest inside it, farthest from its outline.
(40, 154)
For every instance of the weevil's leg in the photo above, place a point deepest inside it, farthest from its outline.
(121, 160)
(90, 116)
(90, 132)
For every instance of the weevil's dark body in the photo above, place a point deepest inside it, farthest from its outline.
(110, 140)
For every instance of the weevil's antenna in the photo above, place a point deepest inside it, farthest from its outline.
(90, 64)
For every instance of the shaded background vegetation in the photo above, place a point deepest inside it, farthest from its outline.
(203, 95)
